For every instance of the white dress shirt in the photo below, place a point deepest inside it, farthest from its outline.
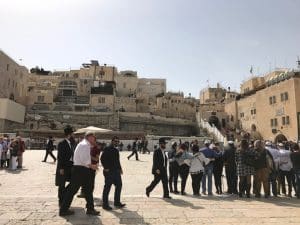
(285, 160)
(82, 154)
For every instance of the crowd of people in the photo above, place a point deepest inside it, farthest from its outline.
(76, 168)
(11, 152)
(249, 165)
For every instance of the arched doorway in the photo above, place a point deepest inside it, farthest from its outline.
(214, 120)
(280, 138)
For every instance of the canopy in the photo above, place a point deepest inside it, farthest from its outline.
(92, 129)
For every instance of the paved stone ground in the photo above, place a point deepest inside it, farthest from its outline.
(29, 197)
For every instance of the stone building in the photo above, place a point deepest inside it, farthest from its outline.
(271, 104)
(212, 105)
(175, 105)
(12, 79)
(95, 94)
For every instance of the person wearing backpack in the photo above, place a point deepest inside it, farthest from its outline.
(244, 160)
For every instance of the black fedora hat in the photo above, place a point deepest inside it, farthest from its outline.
(162, 141)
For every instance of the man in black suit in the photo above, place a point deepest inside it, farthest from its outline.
(134, 150)
(65, 153)
(49, 149)
(159, 169)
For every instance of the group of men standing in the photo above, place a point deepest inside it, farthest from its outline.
(268, 164)
(77, 166)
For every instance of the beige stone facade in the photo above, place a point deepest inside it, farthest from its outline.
(56, 98)
(12, 79)
(176, 105)
(213, 101)
(272, 106)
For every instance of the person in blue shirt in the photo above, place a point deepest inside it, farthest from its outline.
(208, 169)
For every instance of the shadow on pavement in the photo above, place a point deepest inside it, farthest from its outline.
(129, 217)
(182, 203)
(279, 201)
(80, 218)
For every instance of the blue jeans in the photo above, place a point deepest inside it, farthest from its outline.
(208, 172)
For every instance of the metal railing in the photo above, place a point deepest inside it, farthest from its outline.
(211, 129)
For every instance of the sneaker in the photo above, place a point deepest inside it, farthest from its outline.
(92, 212)
(66, 213)
(176, 192)
(204, 192)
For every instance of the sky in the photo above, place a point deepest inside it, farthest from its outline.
(191, 43)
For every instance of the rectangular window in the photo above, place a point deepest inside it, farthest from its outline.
(101, 100)
(282, 97)
(270, 100)
(283, 120)
(40, 98)
(286, 96)
(287, 120)
(275, 122)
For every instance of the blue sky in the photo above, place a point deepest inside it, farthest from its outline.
(188, 42)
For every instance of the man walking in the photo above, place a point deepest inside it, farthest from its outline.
(159, 169)
(112, 172)
(82, 176)
(134, 150)
(64, 163)
(49, 149)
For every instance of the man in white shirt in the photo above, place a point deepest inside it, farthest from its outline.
(81, 176)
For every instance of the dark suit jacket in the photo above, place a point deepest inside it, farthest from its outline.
(160, 161)
(64, 156)
(50, 145)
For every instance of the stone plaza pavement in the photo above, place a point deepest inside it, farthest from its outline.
(29, 197)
